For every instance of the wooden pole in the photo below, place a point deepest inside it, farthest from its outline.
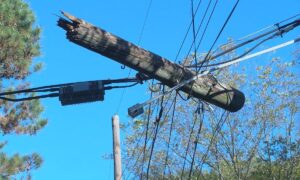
(153, 65)
(116, 148)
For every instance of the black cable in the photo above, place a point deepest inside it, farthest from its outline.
(187, 148)
(57, 86)
(30, 98)
(186, 34)
(181, 97)
(38, 89)
(170, 135)
(144, 23)
(215, 132)
(200, 25)
(208, 21)
(288, 26)
(242, 55)
(146, 135)
(138, 43)
(118, 87)
(219, 34)
(196, 140)
(194, 32)
(155, 134)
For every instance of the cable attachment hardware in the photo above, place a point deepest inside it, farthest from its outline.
(280, 31)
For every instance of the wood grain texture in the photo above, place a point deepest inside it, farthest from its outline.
(151, 64)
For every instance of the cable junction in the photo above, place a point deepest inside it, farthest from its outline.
(74, 93)
(138, 108)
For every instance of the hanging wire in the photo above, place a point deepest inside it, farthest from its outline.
(278, 28)
(199, 111)
(200, 25)
(218, 127)
(155, 134)
(187, 148)
(146, 136)
(219, 34)
(187, 32)
(170, 135)
(138, 43)
(194, 32)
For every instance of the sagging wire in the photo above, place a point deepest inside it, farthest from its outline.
(138, 43)
(188, 146)
(186, 34)
(200, 110)
(280, 30)
(146, 135)
(56, 88)
(157, 121)
(194, 32)
(218, 36)
(219, 125)
(170, 135)
(200, 25)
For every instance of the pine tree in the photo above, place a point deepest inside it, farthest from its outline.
(19, 44)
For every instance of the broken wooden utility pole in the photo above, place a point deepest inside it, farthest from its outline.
(152, 65)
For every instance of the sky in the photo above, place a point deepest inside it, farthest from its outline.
(77, 137)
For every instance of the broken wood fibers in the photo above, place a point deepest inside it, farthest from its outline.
(152, 65)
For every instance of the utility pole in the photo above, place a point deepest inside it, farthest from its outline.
(116, 148)
(150, 64)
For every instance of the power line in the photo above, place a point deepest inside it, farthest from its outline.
(200, 25)
(218, 68)
(146, 136)
(215, 133)
(139, 41)
(197, 138)
(155, 134)
(170, 134)
(220, 32)
(280, 30)
(194, 32)
(187, 32)
(187, 148)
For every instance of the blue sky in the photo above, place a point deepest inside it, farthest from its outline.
(76, 138)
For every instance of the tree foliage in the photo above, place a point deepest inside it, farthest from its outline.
(19, 44)
(261, 141)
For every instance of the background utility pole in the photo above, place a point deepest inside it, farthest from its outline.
(116, 148)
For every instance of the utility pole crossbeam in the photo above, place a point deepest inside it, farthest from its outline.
(116, 148)
(150, 64)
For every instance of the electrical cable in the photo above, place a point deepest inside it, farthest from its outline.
(170, 135)
(186, 34)
(155, 134)
(138, 43)
(30, 98)
(242, 55)
(194, 33)
(118, 87)
(218, 68)
(287, 28)
(146, 135)
(215, 132)
(219, 34)
(197, 139)
(187, 148)
(200, 25)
